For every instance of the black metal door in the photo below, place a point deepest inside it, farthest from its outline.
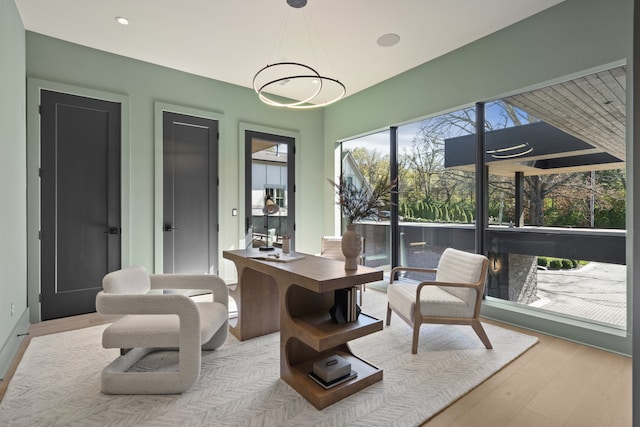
(80, 198)
(269, 170)
(190, 194)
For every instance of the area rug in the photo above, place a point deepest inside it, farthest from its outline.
(57, 381)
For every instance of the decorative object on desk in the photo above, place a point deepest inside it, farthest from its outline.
(345, 309)
(270, 207)
(331, 368)
(286, 244)
(278, 257)
(351, 247)
(356, 204)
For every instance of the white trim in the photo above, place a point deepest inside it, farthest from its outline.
(34, 87)
(243, 127)
(158, 109)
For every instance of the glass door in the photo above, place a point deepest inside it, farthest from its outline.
(270, 190)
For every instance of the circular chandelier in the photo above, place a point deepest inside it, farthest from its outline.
(318, 90)
(300, 81)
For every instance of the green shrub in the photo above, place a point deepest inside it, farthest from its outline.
(575, 263)
(543, 261)
(567, 264)
(555, 263)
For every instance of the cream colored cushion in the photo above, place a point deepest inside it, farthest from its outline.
(132, 280)
(460, 267)
(434, 301)
(331, 247)
(161, 330)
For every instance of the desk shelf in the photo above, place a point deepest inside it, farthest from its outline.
(320, 397)
(320, 332)
(312, 335)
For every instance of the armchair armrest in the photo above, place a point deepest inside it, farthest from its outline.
(415, 269)
(208, 282)
(476, 286)
(146, 304)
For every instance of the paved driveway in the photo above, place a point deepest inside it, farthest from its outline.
(596, 291)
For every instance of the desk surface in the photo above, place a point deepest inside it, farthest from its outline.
(313, 272)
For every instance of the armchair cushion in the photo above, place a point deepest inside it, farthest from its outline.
(460, 267)
(133, 280)
(161, 330)
(331, 247)
(434, 300)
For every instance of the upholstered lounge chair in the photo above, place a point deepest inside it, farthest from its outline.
(156, 320)
(454, 297)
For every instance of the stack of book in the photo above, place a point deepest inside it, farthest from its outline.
(345, 308)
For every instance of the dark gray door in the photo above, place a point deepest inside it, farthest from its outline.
(190, 224)
(80, 186)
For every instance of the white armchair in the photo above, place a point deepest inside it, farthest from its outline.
(159, 321)
(454, 297)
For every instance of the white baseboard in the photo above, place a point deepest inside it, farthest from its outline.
(10, 347)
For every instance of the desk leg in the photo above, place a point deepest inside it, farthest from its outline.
(308, 334)
(256, 296)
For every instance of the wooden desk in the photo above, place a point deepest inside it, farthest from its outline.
(304, 290)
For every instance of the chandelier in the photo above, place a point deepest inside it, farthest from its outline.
(313, 89)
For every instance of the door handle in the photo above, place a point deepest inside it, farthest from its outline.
(168, 228)
(113, 230)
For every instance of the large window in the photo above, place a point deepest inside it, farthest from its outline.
(557, 189)
(365, 162)
(436, 203)
(554, 227)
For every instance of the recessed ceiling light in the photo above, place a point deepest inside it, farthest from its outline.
(388, 40)
(121, 20)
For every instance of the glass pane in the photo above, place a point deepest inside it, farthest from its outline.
(436, 195)
(365, 163)
(269, 179)
(557, 192)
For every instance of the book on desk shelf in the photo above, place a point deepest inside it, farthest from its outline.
(345, 309)
(330, 384)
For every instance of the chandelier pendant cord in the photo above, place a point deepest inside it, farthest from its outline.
(267, 78)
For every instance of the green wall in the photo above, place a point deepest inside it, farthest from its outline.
(142, 87)
(569, 39)
(564, 41)
(13, 215)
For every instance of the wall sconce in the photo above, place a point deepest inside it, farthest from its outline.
(494, 263)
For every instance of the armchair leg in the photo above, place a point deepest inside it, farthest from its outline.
(477, 326)
(388, 315)
(416, 335)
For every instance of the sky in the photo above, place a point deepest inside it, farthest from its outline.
(379, 141)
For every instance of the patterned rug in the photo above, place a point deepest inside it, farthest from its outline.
(57, 381)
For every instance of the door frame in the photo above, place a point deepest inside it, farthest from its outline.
(34, 86)
(243, 128)
(158, 206)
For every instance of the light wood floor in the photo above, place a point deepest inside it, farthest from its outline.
(555, 383)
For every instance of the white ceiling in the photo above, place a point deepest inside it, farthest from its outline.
(231, 40)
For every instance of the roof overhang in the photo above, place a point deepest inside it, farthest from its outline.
(534, 149)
